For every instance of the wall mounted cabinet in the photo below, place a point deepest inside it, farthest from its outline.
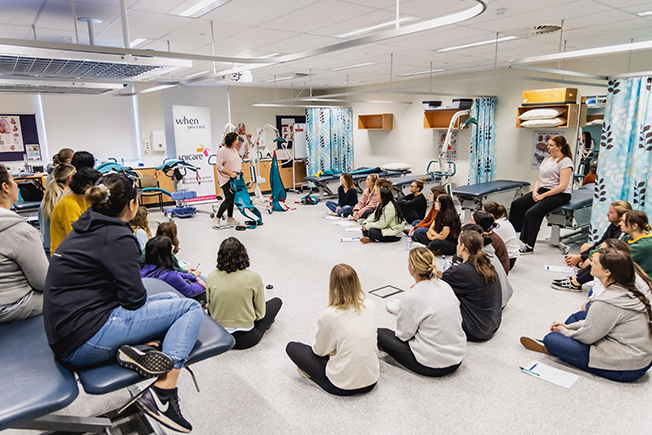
(381, 121)
(440, 119)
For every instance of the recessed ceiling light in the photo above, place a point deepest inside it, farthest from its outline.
(476, 44)
(376, 27)
(353, 66)
(421, 73)
(644, 14)
(279, 79)
(137, 42)
(195, 9)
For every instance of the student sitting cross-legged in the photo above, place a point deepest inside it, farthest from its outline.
(344, 359)
(429, 339)
(441, 237)
(347, 197)
(236, 296)
(414, 205)
(503, 227)
(614, 341)
(387, 222)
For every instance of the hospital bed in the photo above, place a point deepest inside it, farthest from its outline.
(35, 385)
(503, 192)
(576, 215)
(327, 184)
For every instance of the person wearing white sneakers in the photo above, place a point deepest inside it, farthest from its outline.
(228, 163)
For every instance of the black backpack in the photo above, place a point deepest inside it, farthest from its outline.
(30, 190)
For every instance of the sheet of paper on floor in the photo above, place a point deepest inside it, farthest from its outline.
(550, 374)
(560, 269)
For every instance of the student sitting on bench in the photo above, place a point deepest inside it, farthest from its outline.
(414, 205)
(96, 306)
(369, 200)
(236, 296)
(23, 264)
(158, 264)
(429, 339)
(344, 359)
(347, 197)
(386, 223)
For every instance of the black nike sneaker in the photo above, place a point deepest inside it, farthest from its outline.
(164, 409)
(144, 360)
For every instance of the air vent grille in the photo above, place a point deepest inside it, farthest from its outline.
(539, 29)
(47, 89)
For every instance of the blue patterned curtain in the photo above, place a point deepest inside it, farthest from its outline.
(329, 139)
(625, 150)
(482, 167)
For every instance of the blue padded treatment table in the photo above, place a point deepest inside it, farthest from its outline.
(474, 195)
(575, 215)
(34, 384)
(212, 340)
(322, 183)
(407, 181)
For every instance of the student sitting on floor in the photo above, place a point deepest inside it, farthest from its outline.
(62, 176)
(441, 237)
(158, 264)
(387, 222)
(423, 226)
(476, 285)
(23, 264)
(369, 199)
(169, 230)
(94, 292)
(636, 226)
(344, 359)
(414, 205)
(615, 339)
(487, 223)
(504, 229)
(347, 197)
(615, 215)
(140, 226)
(71, 206)
(429, 339)
(236, 296)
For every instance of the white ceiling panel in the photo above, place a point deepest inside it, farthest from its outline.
(255, 37)
(15, 32)
(19, 11)
(361, 22)
(621, 3)
(428, 9)
(159, 6)
(598, 19)
(150, 25)
(440, 38)
(388, 4)
(327, 12)
(199, 32)
(299, 43)
(255, 12)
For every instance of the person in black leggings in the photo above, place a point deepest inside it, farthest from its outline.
(415, 204)
(441, 238)
(228, 163)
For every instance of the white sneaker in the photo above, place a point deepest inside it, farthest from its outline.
(216, 222)
(233, 221)
(394, 306)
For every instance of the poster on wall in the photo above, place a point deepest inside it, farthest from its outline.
(11, 136)
(192, 135)
(540, 147)
(451, 152)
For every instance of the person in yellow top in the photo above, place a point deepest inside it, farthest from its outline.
(71, 206)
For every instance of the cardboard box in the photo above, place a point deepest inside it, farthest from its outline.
(550, 96)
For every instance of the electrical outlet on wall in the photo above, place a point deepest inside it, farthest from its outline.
(146, 146)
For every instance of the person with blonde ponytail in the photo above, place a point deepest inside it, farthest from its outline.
(476, 285)
(429, 339)
(614, 341)
(62, 175)
(64, 155)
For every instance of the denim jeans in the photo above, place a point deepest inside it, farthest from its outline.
(332, 206)
(165, 314)
(577, 354)
(419, 235)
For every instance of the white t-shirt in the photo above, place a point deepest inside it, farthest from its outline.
(549, 173)
(350, 339)
(506, 232)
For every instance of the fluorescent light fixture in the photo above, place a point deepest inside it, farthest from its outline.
(476, 44)
(352, 66)
(195, 9)
(376, 27)
(195, 74)
(279, 79)
(421, 73)
(644, 14)
(156, 88)
(598, 51)
(343, 83)
(137, 42)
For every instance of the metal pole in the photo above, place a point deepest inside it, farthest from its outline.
(74, 20)
(430, 76)
(91, 32)
(561, 38)
(125, 24)
(34, 32)
(397, 13)
(213, 44)
(496, 55)
(391, 69)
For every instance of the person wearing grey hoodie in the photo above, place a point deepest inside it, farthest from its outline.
(615, 339)
(23, 265)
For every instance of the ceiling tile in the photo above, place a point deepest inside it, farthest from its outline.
(15, 32)
(622, 3)
(299, 43)
(21, 12)
(598, 19)
(255, 37)
(255, 12)
(432, 40)
(327, 12)
(363, 21)
(150, 25)
(199, 32)
(159, 6)
(428, 9)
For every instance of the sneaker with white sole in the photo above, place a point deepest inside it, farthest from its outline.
(566, 285)
(526, 250)
(164, 410)
(216, 222)
(534, 345)
(233, 221)
(148, 363)
(303, 374)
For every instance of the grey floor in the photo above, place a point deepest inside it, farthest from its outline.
(259, 391)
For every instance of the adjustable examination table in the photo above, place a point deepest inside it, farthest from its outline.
(576, 215)
(325, 182)
(502, 191)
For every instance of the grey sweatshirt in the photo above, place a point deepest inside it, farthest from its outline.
(23, 265)
(505, 286)
(616, 328)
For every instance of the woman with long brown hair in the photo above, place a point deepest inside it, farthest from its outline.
(615, 339)
(476, 285)
(347, 197)
(552, 189)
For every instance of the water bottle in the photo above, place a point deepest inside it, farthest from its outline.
(408, 244)
(444, 263)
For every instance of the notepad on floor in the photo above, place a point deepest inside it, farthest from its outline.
(550, 374)
(344, 224)
(332, 218)
(349, 239)
(353, 230)
(561, 269)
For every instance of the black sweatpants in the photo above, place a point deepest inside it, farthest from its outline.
(377, 235)
(229, 198)
(247, 339)
(526, 214)
(401, 352)
(584, 275)
(446, 247)
(315, 366)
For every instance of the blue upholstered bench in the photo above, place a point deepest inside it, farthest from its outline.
(404, 182)
(474, 195)
(35, 385)
(576, 215)
(325, 182)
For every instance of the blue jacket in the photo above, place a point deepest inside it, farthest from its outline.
(176, 279)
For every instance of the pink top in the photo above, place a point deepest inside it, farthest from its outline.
(230, 159)
(369, 201)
